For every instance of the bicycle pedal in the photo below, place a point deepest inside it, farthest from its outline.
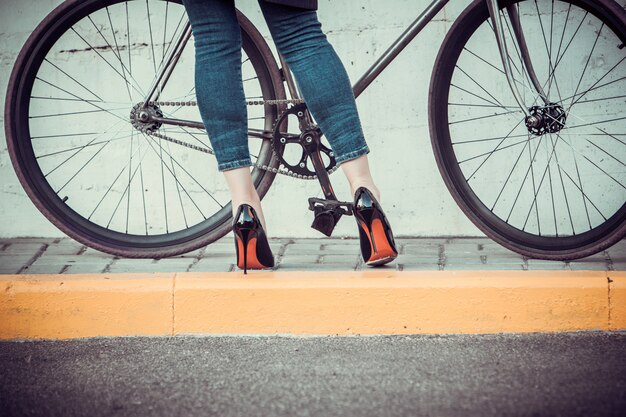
(324, 222)
(341, 207)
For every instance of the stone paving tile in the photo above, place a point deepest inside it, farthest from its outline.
(617, 254)
(347, 259)
(51, 264)
(13, 264)
(341, 248)
(328, 267)
(23, 248)
(597, 262)
(303, 262)
(213, 264)
(64, 247)
(95, 254)
(419, 267)
(588, 266)
(482, 267)
(539, 264)
(89, 267)
(297, 249)
(150, 265)
(222, 250)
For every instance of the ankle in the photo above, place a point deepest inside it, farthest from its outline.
(369, 185)
(256, 205)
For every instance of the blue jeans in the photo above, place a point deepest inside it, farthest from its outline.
(319, 73)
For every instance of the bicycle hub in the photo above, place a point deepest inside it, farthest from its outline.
(545, 119)
(141, 117)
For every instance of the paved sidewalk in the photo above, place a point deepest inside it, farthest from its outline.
(66, 256)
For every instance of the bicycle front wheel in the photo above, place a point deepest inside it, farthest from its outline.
(75, 144)
(556, 190)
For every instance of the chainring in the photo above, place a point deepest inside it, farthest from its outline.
(308, 131)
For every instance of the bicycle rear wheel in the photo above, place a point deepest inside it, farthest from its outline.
(87, 169)
(558, 192)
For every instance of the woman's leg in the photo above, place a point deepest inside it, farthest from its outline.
(325, 86)
(220, 95)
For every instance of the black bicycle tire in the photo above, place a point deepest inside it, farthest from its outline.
(611, 14)
(56, 214)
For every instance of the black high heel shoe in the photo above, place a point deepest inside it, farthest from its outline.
(377, 244)
(253, 249)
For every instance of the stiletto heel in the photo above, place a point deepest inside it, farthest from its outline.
(377, 243)
(251, 244)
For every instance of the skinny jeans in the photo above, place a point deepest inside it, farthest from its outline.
(319, 74)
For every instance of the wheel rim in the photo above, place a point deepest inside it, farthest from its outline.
(468, 158)
(115, 208)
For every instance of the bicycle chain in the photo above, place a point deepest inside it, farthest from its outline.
(264, 167)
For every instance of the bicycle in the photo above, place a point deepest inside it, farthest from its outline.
(545, 179)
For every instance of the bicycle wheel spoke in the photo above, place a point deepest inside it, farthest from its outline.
(151, 38)
(81, 168)
(476, 95)
(164, 33)
(489, 154)
(116, 53)
(130, 61)
(119, 201)
(184, 189)
(78, 151)
(597, 166)
(41, 116)
(599, 99)
(73, 79)
(65, 135)
(582, 74)
(594, 87)
(81, 99)
(192, 178)
(519, 190)
(596, 123)
(480, 105)
(569, 212)
(545, 41)
(488, 139)
(127, 166)
(610, 155)
(94, 49)
(250, 79)
(130, 163)
(558, 52)
(585, 198)
(509, 176)
(143, 194)
(485, 117)
(80, 147)
(481, 87)
(180, 199)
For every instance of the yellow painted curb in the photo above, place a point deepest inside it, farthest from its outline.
(617, 291)
(312, 303)
(72, 306)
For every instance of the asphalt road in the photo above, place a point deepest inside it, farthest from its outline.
(577, 374)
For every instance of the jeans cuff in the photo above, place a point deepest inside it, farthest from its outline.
(352, 155)
(234, 164)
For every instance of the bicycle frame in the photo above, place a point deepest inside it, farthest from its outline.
(376, 68)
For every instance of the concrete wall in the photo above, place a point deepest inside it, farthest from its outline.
(393, 112)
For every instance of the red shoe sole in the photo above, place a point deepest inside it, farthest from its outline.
(384, 252)
(252, 261)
